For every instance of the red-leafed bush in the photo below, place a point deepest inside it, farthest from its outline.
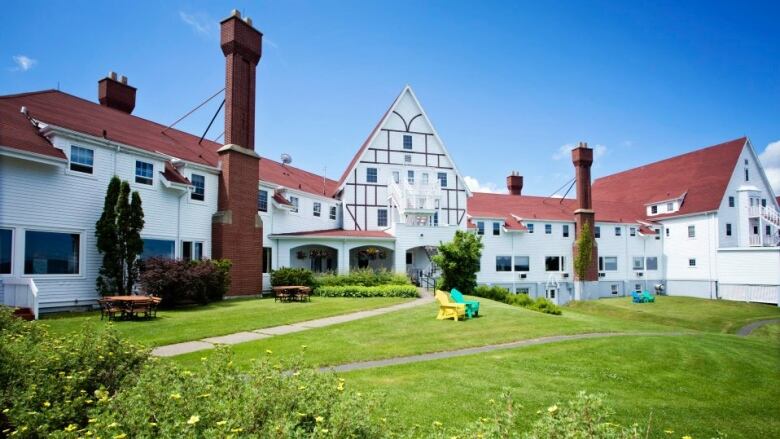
(186, 282)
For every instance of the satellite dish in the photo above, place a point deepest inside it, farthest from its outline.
(286, 158)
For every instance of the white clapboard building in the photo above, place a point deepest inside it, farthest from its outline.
(703, 224)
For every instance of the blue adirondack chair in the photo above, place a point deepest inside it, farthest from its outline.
(647, 296)
(637, 297)
(472, 306)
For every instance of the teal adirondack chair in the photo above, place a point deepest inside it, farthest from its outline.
(472, 306)
(647, 296)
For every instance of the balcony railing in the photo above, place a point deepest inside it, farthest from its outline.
(415, 197)
(767, 213)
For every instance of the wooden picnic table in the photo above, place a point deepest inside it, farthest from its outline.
(288, 293)
(129, 306)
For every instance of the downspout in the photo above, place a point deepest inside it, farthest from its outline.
(512, 261)
(178, 226)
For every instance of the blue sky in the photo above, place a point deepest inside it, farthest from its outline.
(507, 84)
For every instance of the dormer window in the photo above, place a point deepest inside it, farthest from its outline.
(653, 209)
(669, 207)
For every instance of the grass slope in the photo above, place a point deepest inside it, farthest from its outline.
(216, 319)
(770, 332)
(684, 312)
(698, 385)
(416, 331)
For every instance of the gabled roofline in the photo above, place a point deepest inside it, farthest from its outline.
(749, 145)
(33, 156)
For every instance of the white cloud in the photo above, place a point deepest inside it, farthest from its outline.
(200, 24)
(564, 152)
(476, 186)
(23, 63)
(770, 158)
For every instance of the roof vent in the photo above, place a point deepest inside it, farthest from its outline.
(286, 158)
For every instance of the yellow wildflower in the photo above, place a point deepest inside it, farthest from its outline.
(194, 419)
(112, 425)
(269, 352)
(71, 427)
(175, 396)
(236, 430)
(686, 437)
(437, 424)
(91, 420)
(220, 423)
(552, 409)
(668, 431)
(47, 404)
(120, 436)
(319, 419)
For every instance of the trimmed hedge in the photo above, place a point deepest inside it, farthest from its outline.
(365, 277)
(361, 291)
(500, 294)
(287, 276)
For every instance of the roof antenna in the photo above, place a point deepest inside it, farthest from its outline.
(192, 111)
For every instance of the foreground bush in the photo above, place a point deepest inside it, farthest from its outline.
(185, 282)
(361, 291)
(49, 383)
(500, 294)
(365, 277)
(286, 276)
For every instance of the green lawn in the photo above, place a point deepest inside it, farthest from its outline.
(684, 312)
(698, 385)
(769, 332)
(216, 319)
(416, 331)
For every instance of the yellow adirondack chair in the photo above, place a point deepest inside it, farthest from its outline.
(449, 309)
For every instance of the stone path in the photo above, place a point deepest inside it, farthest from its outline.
(245, 336)
(748, 329)
(489, 348)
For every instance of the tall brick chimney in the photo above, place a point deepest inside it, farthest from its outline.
(514, 183)
(237, 231)
(582, 157)
(116, 93)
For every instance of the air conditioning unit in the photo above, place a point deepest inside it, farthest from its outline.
(602, 274)
(523, 276)
(639, 274)
(565, 274)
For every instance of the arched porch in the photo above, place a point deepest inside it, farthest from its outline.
(315, 257)
(371, 256)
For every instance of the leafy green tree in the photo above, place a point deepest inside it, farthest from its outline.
(459, 261)
(118, 233)
(583, 258)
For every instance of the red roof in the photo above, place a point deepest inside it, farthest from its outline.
(702, 175)
(172, 174)
(279, 198)
(67, 111)
(340, 233)
(296, 178)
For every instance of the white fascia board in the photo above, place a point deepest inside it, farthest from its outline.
(31, 156)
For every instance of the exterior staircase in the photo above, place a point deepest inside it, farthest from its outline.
(767, 213)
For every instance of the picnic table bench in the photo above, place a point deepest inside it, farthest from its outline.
(292, 293)
(128, 307)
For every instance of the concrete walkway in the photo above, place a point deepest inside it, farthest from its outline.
(748, 329)
(245, 336)
(489, 348)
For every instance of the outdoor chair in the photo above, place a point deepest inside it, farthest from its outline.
(448, 309)
(109, 309)
(637, 298)
(139, 308)
(647, 297)
(472, 306)
(153, 306)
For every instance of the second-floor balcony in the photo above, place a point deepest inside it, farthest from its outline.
(417, 197)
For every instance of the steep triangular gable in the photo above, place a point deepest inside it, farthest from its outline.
(403, 115)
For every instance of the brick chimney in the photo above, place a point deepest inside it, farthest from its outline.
(582, 157)
(237, 231)
(115, 93)
(514, 183)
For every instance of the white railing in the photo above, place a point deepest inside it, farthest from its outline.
(755, 241)
(21, 293)
(415, 196)
(767, 213)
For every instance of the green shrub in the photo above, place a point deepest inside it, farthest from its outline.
(543, 305)
(361, 291)
(286, 276)
(496, 293)
(500, 294)
(365, 277)
(274, 398)
(48, 383)
(185, 282)
(519, 300)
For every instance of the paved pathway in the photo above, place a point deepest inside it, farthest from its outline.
(748, 329)
(489, 348)
(241, 337)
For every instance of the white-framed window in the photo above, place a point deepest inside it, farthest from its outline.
(607, 263)
(669, 207)
(503, 263)
(410, 177)
(407, 158)
(653, 209)
(524, 290)
(267, 260)
(651, 263)
(294, 202)
(731, 201)
(81, 159)
(667, 232)
(565, 229)
(442, 176)
(144, 172)
(316, 208)
(424, 178)
(407, 141)
(396, 177)
(691, 231)
(632, 231)
(522, 263)
(496, 229)
(548, 229)
(597, 231)
(381, 217)
(371, 175)
(480, 227)
(158, 248)
(6, 251)
(618, 231)
(692, 262)
(554, 263)
(332, 214)
(199, 187)
(614, 289)
(262, 200)
(728, 229)
(47, 252)
(638, 263)
(763, 202)
(747, 174)
(768, 229)
(192, 250)
(530, 227)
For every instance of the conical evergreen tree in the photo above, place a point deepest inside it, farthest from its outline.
(105, 232)
(134, 243)
(122, 232)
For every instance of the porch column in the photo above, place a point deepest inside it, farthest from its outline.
(343, 258)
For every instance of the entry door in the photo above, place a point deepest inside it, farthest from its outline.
(550, 293)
